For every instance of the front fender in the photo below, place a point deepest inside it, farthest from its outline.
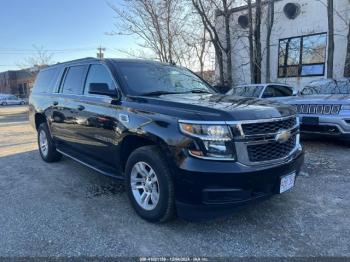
(164, 132)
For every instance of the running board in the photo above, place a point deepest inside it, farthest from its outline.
(90, 166)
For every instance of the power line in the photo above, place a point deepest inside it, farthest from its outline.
(56, 52)
(43, 49)
(16, 51)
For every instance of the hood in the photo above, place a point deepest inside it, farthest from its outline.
(316, 99)
(215, 107)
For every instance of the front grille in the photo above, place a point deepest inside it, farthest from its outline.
(319, 109)
(271, 151)
(268, 127)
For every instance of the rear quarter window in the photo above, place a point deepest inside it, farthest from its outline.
(73, 81)
(46, 80)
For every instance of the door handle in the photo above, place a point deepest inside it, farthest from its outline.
(81, 108)
(55, 103)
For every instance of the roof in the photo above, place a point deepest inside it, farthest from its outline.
(264, 84)
(92, 59)
(134, 60)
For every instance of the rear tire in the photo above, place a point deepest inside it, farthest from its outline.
(22, 103)
(149, 185)
(46, 145)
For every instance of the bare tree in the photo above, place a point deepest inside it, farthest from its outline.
(38, 60)
(257, 42)
(270, 22)
(330, 59)
(207, 15)
(201, 51)
(165, 29)
(31, 65)
(228, 48)
(199, 46)
(159, 24)
(209, 11)
(347, 59)
(251, 42)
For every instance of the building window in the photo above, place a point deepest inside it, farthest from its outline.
(302, 56)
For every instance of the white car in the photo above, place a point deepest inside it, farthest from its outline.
(269, 90)
(11, 100)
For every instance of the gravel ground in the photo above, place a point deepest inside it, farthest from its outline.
(65, 209)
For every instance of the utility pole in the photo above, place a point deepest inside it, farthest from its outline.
(100, 54)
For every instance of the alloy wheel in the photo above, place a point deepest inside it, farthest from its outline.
(43, 143)
(144, 185)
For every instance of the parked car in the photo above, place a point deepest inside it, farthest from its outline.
(179, 146)
(269, 90)
(11, 100)
(324, 108)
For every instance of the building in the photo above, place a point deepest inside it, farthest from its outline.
(17, 82)
(298, 41)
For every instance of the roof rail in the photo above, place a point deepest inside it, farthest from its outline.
(80, 60)
(71, 62)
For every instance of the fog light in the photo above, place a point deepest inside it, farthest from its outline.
(218, 149)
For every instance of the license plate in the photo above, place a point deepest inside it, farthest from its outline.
(287, 182)
(310, 120)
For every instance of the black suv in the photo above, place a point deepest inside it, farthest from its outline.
(181, 147)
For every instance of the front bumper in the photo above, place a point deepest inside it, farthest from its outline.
(208, 189)
(330, 125)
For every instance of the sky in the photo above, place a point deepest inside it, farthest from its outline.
(67, 29)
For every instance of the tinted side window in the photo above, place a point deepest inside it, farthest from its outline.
(98, 74)
(46, 80)
(73, 82)
(278, 91)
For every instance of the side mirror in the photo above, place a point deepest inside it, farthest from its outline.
(102, 89)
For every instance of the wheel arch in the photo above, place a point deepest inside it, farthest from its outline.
(132, 142)
(39, 119)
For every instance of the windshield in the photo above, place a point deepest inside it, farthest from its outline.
(327, 88)
(158, 79)
(246, 91)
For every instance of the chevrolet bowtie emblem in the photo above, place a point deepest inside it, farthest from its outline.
(283, 136)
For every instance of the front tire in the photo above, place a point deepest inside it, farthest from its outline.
(3, 103)
(149, 185)
(46, 145)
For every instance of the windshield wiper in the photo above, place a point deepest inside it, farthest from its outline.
(159, 93)
(199, 91)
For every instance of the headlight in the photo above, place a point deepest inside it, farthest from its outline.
(215, 140)
(207, 132)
